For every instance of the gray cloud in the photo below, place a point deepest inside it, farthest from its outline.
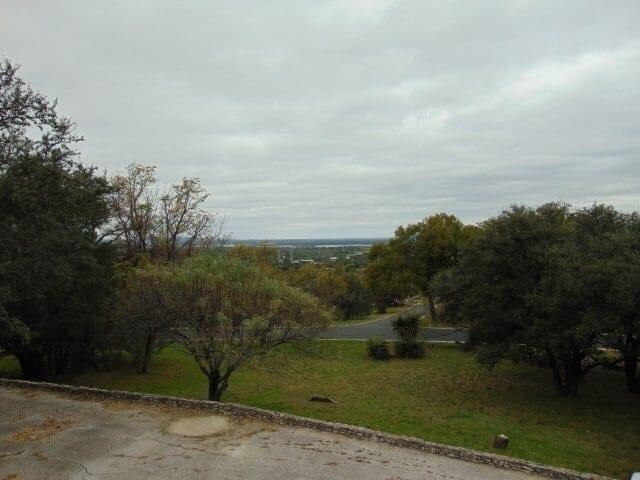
(347, 118)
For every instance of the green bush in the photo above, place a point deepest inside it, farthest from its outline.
(410, 349)
(378, 349)
(407, 327)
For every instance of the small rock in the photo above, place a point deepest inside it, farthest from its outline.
(501, 442)
(319, 398)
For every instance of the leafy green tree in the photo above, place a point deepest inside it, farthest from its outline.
(356, 301)
(29, 122)
(617, 237)
(628, 331)
(429, 247)
(344, 291)
(386, 276)
(263, 255)
(225, 311)
(139, 324)
(409, 261)
(54, 273)
(539, 285)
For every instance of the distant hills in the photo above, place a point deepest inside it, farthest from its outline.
(311, 242)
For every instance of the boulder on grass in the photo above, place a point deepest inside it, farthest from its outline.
(320, 398)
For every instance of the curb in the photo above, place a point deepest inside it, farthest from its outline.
(237, 410)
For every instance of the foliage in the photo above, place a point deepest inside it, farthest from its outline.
(140, 325)
(542, 285)
(23, 113)
(54, 274)
(417, 252)
(386, 276)
(263, 255)
(410, 349)
(225, 311)
(378, 348)
(344, 291)
(162, 224)
(356, 301)
(410, 344)
(407, 326)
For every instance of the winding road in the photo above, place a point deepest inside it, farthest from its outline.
(382, 327)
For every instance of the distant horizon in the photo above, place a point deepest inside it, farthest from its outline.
(321, 241)
(312, 238)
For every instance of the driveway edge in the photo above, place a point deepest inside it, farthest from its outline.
(237, 410)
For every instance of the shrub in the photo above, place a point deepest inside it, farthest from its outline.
(410, 349)
(378, 349)
(407, 327)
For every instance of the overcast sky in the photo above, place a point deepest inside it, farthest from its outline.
(348, 118)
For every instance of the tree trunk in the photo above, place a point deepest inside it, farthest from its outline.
(569, 383)
(215, 392)
(432, 310)
(218, 383)
(147, 354)
(573, 378)
(32, 364)
(557, 376)
(631, 373)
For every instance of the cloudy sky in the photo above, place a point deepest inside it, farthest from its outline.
(347, 118)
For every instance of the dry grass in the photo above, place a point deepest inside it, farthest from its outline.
(48, 428)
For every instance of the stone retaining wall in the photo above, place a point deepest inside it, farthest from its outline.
(236, 410)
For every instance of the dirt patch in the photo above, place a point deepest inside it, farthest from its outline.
(48, 428)
(199, 426)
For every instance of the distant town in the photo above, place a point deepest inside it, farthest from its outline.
(294, 252)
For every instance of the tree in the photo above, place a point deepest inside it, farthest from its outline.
(538, 285)
(628, 332)
(24, 112)
(140, 325)
(343, 291)
(134, 208)
(164, 225)
(386, 276)
(429, 247)
(409, 261)
(54, 274)
(225, 311)
(263, 255)
(356, 301)
(618, 236)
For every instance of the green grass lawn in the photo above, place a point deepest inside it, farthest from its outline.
(445, 397)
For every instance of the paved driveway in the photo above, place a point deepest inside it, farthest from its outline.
(45, 436)
(382, 328)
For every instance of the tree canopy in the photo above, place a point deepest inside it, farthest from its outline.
(29, 122)
(543, 285)
(54, 275)
(416, 253)
(225, 311)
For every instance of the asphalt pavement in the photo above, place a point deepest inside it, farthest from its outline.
(382, 327)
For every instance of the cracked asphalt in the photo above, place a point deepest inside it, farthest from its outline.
(46, 436)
